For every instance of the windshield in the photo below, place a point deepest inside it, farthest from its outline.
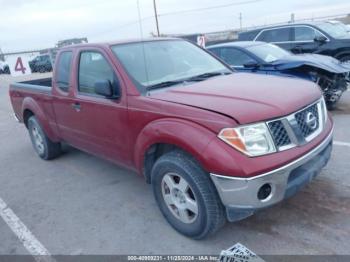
(268, 52)
(155, 62)
(335, 30)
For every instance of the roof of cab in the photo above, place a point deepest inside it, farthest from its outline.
(126, 41)
(312, 23)
(242, 44)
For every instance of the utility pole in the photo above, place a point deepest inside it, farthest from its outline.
(1, 55)
(156, 16)
(292, 18)
(240, 21)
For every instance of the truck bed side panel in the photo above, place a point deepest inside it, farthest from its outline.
(38, 100)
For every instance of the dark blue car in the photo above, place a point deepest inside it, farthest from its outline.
(260, 57)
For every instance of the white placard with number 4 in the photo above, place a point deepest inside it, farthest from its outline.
(19, 65)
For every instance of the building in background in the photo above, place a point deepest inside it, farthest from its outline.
(52, 52)
(345, 20)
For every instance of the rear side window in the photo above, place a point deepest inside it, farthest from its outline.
(63, 70)
(248, 36)
(235, 57)
(216, 51)
(93, 67)
(275, 35)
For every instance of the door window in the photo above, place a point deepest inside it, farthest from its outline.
(304, 33)
(235, 57)
(93, 67)
(275, 35)
(63, 70)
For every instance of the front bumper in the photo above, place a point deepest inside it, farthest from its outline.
(240, 195)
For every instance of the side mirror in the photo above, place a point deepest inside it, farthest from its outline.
(320, 39)
(104, 88)
(251, 65)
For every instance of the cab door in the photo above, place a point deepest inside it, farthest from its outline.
(62, 94)
(96, 124)
(101, 122)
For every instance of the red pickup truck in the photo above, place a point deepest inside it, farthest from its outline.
(216, 145)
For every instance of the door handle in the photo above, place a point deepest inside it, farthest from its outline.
(76, 106)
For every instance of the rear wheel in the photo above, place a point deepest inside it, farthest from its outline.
(186, 196)
(45, 148)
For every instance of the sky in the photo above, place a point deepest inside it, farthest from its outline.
(37, 24)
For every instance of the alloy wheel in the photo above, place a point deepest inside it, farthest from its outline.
(179, 197)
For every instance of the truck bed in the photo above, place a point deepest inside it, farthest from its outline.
(43, 85)
(36, 92)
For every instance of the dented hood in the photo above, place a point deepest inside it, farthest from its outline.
(327, 63)
(245, 97)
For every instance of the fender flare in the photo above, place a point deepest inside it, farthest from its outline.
(30, 104)
(186, 135)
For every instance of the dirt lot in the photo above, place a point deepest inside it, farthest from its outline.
(79, 204)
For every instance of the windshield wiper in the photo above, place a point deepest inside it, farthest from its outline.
(164, 84)
(206, 75)
(193, 78)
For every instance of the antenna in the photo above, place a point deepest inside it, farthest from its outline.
(156, 16)
(143, 43)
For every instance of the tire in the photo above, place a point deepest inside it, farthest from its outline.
(44, 147)
(345, 58)
(178, 202)
(6, 70)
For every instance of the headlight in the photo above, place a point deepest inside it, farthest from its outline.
(252, 140)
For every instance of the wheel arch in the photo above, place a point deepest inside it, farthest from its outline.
(162, 136)
(30, 107)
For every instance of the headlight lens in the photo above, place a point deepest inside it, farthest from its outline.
(252, 140)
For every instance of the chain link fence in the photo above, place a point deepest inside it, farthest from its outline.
(33, 61)
(42, 61)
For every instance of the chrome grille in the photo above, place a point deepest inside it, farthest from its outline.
(301, 118)
(279, 133)
(299, 127)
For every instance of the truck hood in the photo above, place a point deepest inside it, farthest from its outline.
(327, 63)
(245, 97)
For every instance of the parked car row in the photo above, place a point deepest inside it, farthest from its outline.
(325, 38)
(326, 63)
(263, 58)
(216, 145)
(40, 64)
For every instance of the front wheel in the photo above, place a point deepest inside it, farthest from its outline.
(345, 59)
(186, 196)
(45, 148)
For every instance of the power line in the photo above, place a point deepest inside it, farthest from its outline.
(209, 8)
(185, 11)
